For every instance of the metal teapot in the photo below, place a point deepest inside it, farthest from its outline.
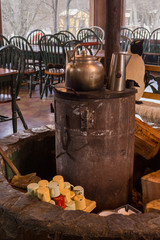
(117, 71)
(84, 72)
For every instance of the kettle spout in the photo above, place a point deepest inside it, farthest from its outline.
(127, 58)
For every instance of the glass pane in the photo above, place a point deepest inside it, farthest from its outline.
(142, 14)
(19, 17)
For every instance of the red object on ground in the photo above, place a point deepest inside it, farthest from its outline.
(60, 201)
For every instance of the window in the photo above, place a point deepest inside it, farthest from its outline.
(22, 16)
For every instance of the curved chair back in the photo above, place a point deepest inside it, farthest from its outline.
(124, 43)
(3, 40)
(52, 51)
(126, 32)
(34, 36)
(12, 57)
(88, 35)
(70, 45)
(98, 31)
(26, 48)
(142, 33)
(154, 42)
(62, 37)
(69, 34)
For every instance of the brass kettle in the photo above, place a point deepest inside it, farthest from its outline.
(84, 72)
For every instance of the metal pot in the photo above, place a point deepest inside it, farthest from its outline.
(84, 72)
(117, 71)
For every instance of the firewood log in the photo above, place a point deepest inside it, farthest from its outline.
(147, 140)
(151, 186)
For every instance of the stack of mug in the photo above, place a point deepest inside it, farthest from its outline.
(59, 193)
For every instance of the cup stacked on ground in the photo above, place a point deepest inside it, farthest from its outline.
(59, 193)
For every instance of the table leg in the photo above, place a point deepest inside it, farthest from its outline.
(14, 110)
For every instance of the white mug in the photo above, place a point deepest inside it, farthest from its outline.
(43, 194)
(66, 193)
(59, 179)
(68, 185)
(80, 202)
(78, 190)
(54, 189)
(32, 189)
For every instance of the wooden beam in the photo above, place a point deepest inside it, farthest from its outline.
(99, 13)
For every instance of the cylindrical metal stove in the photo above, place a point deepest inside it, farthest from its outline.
(95, 143)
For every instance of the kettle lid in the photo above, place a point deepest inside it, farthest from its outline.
(84, 57)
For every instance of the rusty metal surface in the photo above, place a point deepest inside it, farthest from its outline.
(95, 146)
(68, 93)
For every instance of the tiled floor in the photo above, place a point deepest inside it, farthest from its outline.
(36, 112)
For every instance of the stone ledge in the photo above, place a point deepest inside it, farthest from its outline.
(25, 217)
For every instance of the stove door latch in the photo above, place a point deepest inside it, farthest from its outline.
(87, 119)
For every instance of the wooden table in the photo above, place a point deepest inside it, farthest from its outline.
(8, 79)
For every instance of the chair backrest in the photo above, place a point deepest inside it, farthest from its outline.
(124, 43)
(3, 40)
(62, 37)
(34, 36)
(27, 50)
(98, 31)
(69, 49)
(88, 35)
(126, 32)
(69, 34)
(154, 41)
(12, 57)
(52, 51)
(70, 45)
(142, 33)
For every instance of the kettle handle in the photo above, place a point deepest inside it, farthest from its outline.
(87, 44)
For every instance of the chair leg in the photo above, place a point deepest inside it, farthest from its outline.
(21, 117)
(45, 86)
(30, 86)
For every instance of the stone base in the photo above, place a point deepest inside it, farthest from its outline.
(23, 217)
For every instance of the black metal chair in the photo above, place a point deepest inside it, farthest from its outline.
(124, 43)
(98, 31)
(3, 40)
(69, 49)
(31, 68)
(69, 45)
(88, 35)
(34, 36)
(69, 34)
(152, 57)
(11, 58)
(62, 37)
(125, 38)
(126, 32)
(53, 56)
(141, 33)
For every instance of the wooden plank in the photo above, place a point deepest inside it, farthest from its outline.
(151, 95)
(153, 68)
(147, 139)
